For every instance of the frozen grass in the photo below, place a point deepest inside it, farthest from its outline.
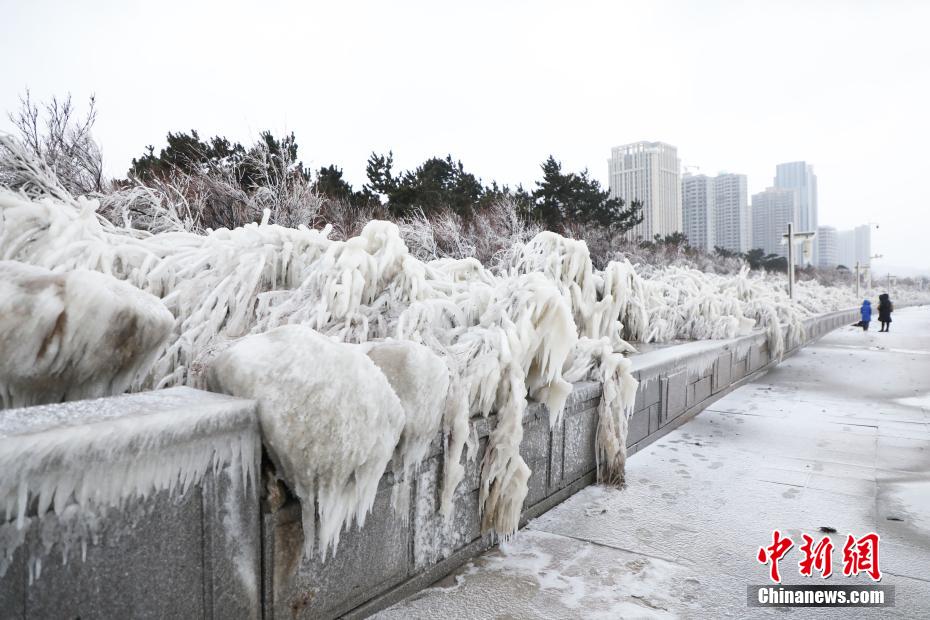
(535, 316)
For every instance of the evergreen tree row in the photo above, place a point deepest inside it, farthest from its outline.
(560, 199)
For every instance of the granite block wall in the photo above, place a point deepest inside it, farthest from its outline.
(191, 554)
(672, 390)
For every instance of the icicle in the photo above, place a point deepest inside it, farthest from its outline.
(330, 420)
(596, 359)
(523, 328)
(420, 379)
(93, 458)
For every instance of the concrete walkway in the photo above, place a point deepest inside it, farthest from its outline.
(837, 436)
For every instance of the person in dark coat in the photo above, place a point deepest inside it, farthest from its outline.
(885, 308)
(866, 313)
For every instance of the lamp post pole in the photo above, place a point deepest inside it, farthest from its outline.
(789, 238)
(858, 267)
(868, 271)
(790, 260)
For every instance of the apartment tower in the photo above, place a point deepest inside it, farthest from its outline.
(698, 213)
(648, 172)
(733, 219)
(771, 212)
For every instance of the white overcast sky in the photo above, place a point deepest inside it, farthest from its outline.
(736, 86)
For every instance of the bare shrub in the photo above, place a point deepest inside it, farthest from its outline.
(23, 171)
(211, 196)
(62, 139)
(489, 234)
(346, 220)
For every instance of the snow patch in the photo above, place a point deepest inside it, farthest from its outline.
(582, 586)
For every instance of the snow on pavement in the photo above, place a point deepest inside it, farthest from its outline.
(837, 436)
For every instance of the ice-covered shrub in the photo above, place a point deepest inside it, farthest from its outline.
(596, 360)
(75, 335)
(537, 314)
(329, 420)
(420, 379)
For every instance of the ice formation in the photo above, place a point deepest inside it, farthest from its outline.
(329, 419)
(210, 283)
(65, 465)
(525, 327)
(75, 335)
(597, 360)
(420, 379)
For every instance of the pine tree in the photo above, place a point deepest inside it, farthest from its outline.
(565, 198)
(329, 182)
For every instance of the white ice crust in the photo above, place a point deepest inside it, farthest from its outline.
(278, 314)
(67, 464)
(329, 419)
(75, 335)
(420, 379)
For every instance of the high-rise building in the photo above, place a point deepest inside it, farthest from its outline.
(828, 250)
(771, 212)
(863, 236)
(648, 172)
(697, 210)
(733, 218)
(854, 246)
(846, 248)
(799, 176)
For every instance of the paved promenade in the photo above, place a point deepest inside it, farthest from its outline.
(836, 437)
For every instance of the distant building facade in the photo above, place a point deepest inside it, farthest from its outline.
(649, 172)
(799, 176)
(733, 228)
(771, 212)
(828, 250)
(697, 210)
(854, 245)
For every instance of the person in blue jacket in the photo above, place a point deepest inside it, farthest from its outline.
(866, 313)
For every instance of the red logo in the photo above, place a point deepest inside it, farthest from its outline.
(773, 553)
(859, 555)
(819, 557)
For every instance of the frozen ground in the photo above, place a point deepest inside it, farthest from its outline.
(836, 436)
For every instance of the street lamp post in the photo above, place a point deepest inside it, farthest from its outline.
(858, 267)
(868, 271)
(790, 237)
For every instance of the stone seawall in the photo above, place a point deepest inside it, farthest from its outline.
(160, 550)
(394, 556)
(218, 551)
